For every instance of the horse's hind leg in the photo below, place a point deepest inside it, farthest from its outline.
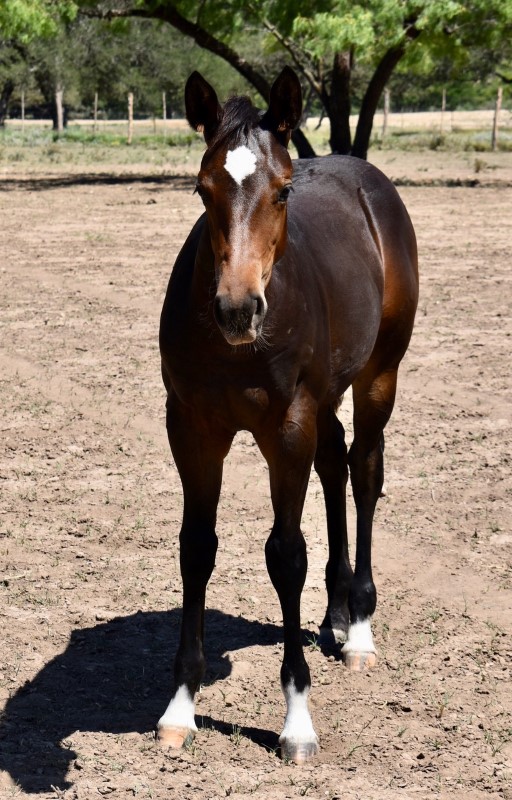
(199, 459)
(331, 467)
(374, 397)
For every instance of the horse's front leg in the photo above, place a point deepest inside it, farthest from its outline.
(199, 454)
(289, 452)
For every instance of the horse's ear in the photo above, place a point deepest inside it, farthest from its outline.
(285, 106)
(202, 107)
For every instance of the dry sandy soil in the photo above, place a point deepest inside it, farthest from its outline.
(90, 508)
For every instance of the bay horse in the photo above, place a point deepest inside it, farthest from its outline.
(299, 281)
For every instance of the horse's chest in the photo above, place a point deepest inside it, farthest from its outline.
(236, 395)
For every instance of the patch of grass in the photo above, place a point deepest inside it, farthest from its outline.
(443, 704)
(236, 735)
(456, 141)
(119, 138)
(496, 739)
(37, 145)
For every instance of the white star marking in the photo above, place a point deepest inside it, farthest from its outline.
(240, 163)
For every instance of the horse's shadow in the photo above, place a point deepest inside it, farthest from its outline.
(115, 678)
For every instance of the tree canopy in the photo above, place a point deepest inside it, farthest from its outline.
(23, 20)
(336, 44)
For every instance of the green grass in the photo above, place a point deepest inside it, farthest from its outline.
(111, 139)
(79, 145)
(113, 136)
(477, 141)
(453, 142)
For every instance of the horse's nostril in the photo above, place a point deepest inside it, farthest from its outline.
(259, 305)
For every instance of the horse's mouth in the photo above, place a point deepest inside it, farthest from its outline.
(236, 338)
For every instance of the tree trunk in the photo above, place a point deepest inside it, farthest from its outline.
(304, 149)
(371, 99)
(339, 104)
(5, 97)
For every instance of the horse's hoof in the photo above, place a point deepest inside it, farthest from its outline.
(174, 737)
(298, 752)
(359, 662)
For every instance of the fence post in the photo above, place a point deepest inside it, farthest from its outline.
(130, 117)
(443, 109)
(387, 94)
(164, 113)
(495, 124)
(95, 117)
(59, 108)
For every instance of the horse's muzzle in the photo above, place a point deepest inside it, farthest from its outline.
(240, 322)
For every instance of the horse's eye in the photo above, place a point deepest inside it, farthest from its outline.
(284, 193)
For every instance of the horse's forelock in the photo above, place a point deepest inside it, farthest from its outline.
(239, 117)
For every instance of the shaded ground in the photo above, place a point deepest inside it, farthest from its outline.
(90, 506)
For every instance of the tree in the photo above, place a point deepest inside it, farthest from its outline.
(22, 21)
(331, 43)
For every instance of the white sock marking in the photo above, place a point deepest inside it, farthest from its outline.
(298, 726)
(240, 163)
(180, 711)
(360, 639)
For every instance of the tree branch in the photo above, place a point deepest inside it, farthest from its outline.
(290, 46)
(167, 12)
(503, 77)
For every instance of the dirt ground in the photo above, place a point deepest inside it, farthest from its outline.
(90, 506)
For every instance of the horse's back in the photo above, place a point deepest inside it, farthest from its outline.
(353, 198)
(350, 217)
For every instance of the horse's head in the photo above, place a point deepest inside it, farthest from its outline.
(244, 182)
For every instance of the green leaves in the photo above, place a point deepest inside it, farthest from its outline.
(26, 19)
(325, 34)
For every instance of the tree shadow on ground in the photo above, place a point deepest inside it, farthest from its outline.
(113, 678)
(38, 184)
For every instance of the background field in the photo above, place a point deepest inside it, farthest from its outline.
(173, 146)
(90, 506)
